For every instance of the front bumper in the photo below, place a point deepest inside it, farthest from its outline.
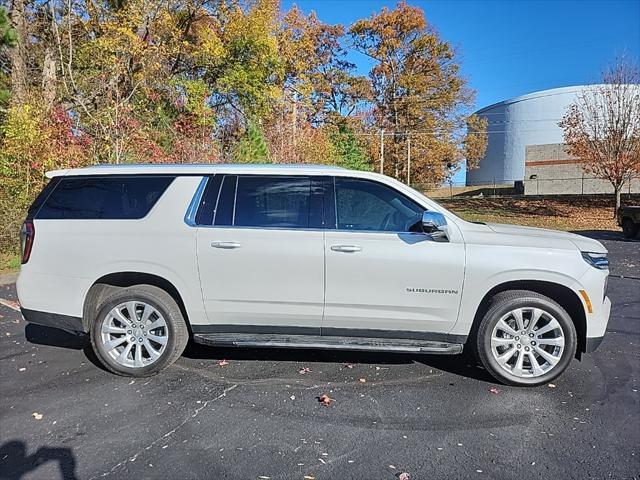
(592, 344)
(597, 325)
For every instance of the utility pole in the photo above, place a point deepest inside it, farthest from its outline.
(295, 117)
(382, 151)
(408, 160)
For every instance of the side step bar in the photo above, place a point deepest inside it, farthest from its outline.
(401, 345)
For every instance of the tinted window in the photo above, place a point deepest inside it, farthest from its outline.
(224, 209)
(367, 205)
(40, 199)
(103, 197)
(273, 202)
(207, 208)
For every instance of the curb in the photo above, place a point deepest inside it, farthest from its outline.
(8, 278)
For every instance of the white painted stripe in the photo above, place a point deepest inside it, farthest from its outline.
(12, 304)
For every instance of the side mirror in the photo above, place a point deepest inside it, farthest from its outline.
(433, 222)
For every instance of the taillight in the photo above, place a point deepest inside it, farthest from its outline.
(27, 234)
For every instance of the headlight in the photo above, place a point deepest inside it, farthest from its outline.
(597, 260)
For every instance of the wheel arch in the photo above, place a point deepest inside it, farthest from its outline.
(106, 284)
(563, 295)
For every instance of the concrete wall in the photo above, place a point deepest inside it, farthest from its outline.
(557, 173)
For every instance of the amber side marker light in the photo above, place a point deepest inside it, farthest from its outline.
(586, 300)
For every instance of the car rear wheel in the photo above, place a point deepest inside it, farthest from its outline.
(525, 338)
(629, 228)
(138, 331)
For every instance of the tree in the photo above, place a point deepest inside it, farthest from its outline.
(8, 38)
(602, 127)
(252, 147)
(349, 151)
(242, 65)
(18, 51)
(317, 69)
(419, 94)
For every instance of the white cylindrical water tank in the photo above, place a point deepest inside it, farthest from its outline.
(512, 125)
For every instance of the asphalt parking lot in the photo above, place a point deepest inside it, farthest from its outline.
(258, 417)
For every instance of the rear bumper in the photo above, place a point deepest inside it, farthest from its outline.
(54, 320)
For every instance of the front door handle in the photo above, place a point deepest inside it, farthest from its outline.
(227, 245)
(346, 248)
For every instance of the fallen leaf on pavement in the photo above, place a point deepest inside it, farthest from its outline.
(348, 365)
(552, 385)
(494, 390)
(37, 416)
(325, 400)
(309, 477)
(304, 370)
(362, 380)
(404, 476)
(223, 363)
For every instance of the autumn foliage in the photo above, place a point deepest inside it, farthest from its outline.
(196, 81)
(602, 127)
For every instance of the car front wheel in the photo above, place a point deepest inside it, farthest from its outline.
(525, 338)
(138, 331)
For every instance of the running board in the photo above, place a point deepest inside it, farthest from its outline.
(400, 345)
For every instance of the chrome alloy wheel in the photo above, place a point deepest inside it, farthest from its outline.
(527, 342)
(134, 334)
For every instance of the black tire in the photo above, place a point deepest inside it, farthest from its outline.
(501, 305)
(630, 228)
(177, 331)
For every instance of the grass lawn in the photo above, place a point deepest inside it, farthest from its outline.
(558, 213)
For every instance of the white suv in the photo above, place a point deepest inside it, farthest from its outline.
(144, 257)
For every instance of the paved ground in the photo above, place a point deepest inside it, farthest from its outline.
(258, 417)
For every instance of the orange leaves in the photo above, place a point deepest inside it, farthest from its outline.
(415, 81)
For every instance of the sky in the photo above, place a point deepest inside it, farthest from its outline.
(510, 48)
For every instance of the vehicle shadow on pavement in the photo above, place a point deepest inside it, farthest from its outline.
(463, 365)
(15, 463)
(55, 337)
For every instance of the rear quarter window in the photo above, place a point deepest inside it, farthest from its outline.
(108, 197)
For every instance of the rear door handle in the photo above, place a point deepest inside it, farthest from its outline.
(346, 248)
(227, 245)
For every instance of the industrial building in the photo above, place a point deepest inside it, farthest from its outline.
(525, 147)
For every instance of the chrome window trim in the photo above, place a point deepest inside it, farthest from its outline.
(314, 230)
(192, 209)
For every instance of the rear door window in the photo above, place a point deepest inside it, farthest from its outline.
(275, 202)
(104, 197)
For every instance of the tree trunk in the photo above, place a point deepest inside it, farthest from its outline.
(49, 77)
(617, 189)
(18, 54)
